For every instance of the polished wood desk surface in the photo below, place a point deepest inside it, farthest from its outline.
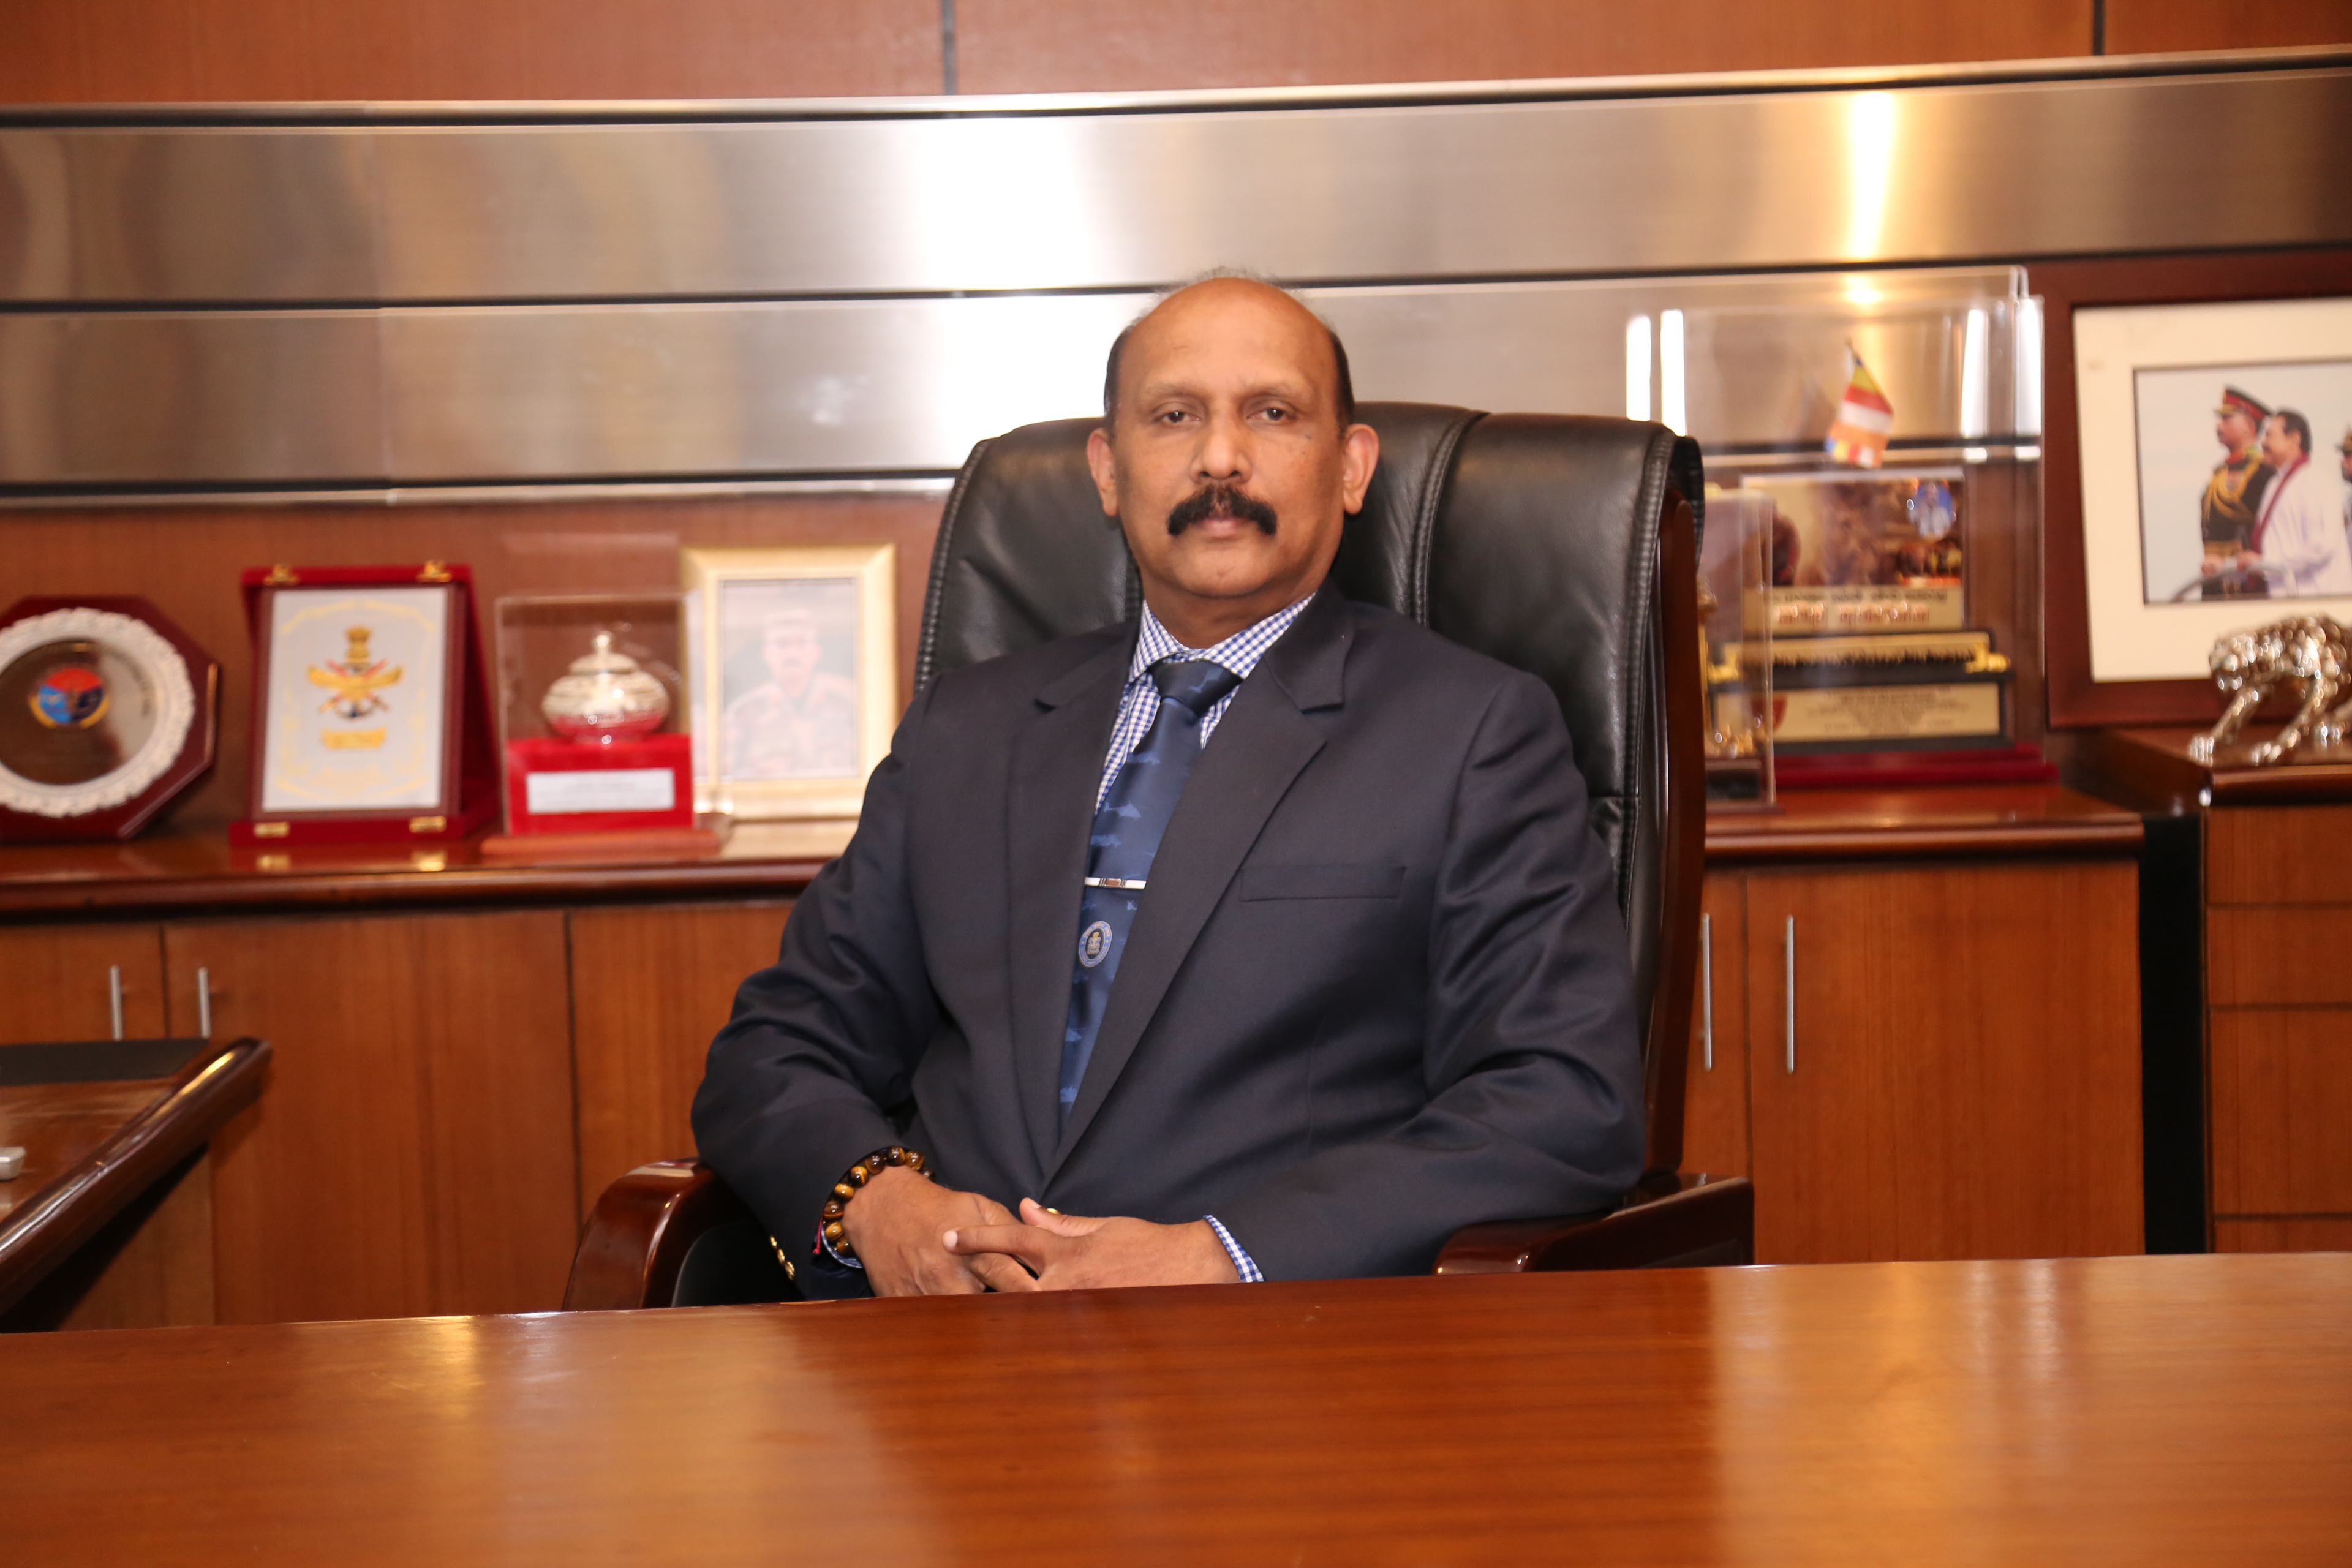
(2159, 1410)
(94, 1143)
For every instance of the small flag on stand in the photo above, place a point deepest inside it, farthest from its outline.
(1865, 419)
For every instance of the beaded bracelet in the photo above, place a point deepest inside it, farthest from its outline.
(836, 1236)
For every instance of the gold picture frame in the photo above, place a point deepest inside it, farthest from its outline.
(794, 676)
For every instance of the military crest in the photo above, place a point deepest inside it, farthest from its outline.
(72, 697)
(356, 681)
(1094, 943)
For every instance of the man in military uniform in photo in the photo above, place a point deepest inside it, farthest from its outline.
(801, 722)
(2233, 496)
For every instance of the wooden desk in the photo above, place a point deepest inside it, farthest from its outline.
(110, 1223)
(2188, 1410)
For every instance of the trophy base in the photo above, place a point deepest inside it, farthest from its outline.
(626, 846)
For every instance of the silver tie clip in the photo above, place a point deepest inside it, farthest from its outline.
(1119, 882)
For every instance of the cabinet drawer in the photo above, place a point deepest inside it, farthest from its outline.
(2282, 1100)
(2283, 1234)
(2267, 958)
(2279, 855)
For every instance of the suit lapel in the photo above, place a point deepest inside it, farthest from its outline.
(1260, 746)
(1058, 763)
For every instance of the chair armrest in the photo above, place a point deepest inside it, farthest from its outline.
(1669, 1221)
(644, 1224)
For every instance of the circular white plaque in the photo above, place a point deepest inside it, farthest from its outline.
(153, 661)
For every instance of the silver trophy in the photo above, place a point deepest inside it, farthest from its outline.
(607, 699)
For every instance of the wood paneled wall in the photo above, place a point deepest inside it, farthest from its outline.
(186, 560)
(1054, 46)
(133, 51)
(102, 51)
(2159, 26)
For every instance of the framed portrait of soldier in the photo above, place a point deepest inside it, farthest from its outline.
(2215, 444)
(795, 681)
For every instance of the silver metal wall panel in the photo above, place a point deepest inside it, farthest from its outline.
(1008, 200)
(551, 393)
(800, 290)
(202, 213)
(221, 397)
(1581, 188)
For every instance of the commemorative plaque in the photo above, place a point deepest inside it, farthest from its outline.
(106, 714)
(372, 718)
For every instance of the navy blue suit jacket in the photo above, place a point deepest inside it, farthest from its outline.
(1378, 990)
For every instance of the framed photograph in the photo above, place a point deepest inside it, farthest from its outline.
(2165, 526)
(368, 712)
(794, 676)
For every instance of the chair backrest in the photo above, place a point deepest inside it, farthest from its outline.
(1564, 546)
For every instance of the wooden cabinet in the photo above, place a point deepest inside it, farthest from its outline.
(2278, 968)
(1922, 1058)
(650, 986)
(413, 1151)
(60, 982)
(2275, 869)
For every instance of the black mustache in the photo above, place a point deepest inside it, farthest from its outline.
(1220, 500)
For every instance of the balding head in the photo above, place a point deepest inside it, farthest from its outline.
(1230, 454)
(1342, 384)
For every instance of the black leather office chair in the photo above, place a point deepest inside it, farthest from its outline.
(1565, 546)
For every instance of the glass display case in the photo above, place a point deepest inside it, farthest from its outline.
(1889, 455)
(595, 723)
(1735, 647)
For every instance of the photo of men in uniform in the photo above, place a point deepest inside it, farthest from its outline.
(2266, 521)
(2233, 497)
(788, 687)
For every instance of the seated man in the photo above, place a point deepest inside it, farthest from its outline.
(1338, 971)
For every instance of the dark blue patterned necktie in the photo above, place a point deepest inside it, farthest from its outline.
(1129, 826)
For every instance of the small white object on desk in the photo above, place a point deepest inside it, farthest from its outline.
(12, 1163)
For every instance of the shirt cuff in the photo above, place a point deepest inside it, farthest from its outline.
(1243, 1265)
(825, 1249)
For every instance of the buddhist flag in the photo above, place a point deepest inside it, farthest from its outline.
(1865, 419)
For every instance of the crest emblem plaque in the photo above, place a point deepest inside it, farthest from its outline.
(106, 715)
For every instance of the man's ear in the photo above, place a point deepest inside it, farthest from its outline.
(1104, 469)
(1359, 453)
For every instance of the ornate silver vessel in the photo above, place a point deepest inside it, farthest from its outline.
(605, 699)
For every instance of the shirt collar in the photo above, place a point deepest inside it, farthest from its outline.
(1238, 653)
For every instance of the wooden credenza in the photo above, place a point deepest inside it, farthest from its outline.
(1918, 1027)
(466, 1054)
(2275, 859)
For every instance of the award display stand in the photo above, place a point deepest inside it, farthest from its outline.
(372, 718)
(595, 729)
(1885, 453)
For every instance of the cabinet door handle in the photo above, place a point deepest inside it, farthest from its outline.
(1789, 953)
(114, 996)
(1706, 990)
(204, 1002)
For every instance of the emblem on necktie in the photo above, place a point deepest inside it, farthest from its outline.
(1094, 943)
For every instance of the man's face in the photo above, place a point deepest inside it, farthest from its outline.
(2281, 445)
(1227, 466)
(790, 650)
(2235, 431)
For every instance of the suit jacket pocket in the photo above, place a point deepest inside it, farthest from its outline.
(1321, 882)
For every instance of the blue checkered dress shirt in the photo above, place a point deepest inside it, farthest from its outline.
(1139, 705)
